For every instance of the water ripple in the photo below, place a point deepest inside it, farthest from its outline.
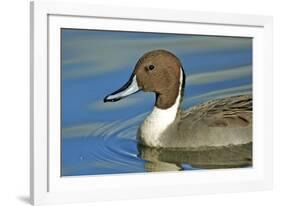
(105, 148)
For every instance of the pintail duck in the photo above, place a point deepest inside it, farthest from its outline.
(220, 122)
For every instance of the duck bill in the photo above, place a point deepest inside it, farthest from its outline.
(129, 88)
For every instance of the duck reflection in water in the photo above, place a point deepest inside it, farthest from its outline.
(164, 159)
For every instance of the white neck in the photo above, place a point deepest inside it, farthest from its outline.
(159, 120)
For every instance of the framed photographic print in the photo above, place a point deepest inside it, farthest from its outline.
(126, 105)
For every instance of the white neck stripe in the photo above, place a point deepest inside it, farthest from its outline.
(159, 120)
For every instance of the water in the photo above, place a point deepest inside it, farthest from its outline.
(98, 155)
(99, 138)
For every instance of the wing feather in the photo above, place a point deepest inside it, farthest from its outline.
(235, 111)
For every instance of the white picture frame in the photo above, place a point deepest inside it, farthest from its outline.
(47, 186)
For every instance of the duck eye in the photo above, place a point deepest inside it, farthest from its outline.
(151, 67)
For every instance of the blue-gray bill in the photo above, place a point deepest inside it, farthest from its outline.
(129, 88)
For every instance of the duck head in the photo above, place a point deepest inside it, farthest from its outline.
(157, 71)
